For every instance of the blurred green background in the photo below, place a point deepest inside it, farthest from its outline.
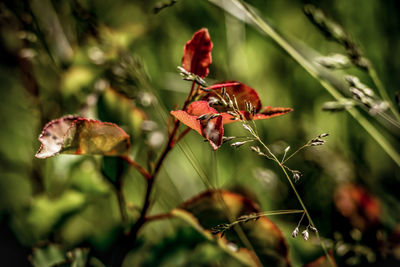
(62, 57)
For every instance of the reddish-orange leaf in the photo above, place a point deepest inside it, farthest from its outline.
(211, 129)
(197, 53)
(267, 113)
(74, 135)
(220, 85)
(360, 207)
(240, 91)
(199, 108)
(217, 207)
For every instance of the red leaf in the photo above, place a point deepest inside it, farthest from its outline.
(267, 113)
(199, 108)
(211, 129)
(220, 85)
(215, 207)
(197, 53)
(241, 91)
(360, 207)
(74, 135)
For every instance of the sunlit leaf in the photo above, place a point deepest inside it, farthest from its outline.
(53, 255)
(245, 97)
(266, 113)
(47, 256)
(47, 212)
(240, 91)
(212, 208)
(197, 53)
(199, 117)
(74, 135)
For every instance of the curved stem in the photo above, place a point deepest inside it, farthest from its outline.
(294, 153)
(137, 166)
(299, 199)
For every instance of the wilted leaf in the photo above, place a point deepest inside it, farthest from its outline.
(197, 53)
(198, 117)
(212, 208)
(74, 135)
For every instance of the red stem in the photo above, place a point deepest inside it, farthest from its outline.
(136, 165)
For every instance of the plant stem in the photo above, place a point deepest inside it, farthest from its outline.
(128, 241)
(375, 78)
(136, 165)
(294, 153)
(300, 201)
(122, 205)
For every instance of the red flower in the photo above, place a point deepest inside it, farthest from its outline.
(197, 53)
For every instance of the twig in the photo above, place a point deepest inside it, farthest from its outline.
(136, 165)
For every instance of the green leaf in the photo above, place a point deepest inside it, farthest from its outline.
(52, 255)
(81, 136)
(264, 241)
(47, 256)
(47, 212)
(115, 107)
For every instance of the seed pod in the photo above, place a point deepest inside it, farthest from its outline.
(305, 235)
(295, 232)
(238, 144)
(255, 149)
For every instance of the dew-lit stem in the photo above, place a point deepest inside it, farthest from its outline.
(294, 153)
(300, 201)
(375, 78)
(137, 166)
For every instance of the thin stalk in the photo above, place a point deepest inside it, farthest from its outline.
(300, 201)
(136, 165)
(294, 153)
(122, 206)
(375, 78)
